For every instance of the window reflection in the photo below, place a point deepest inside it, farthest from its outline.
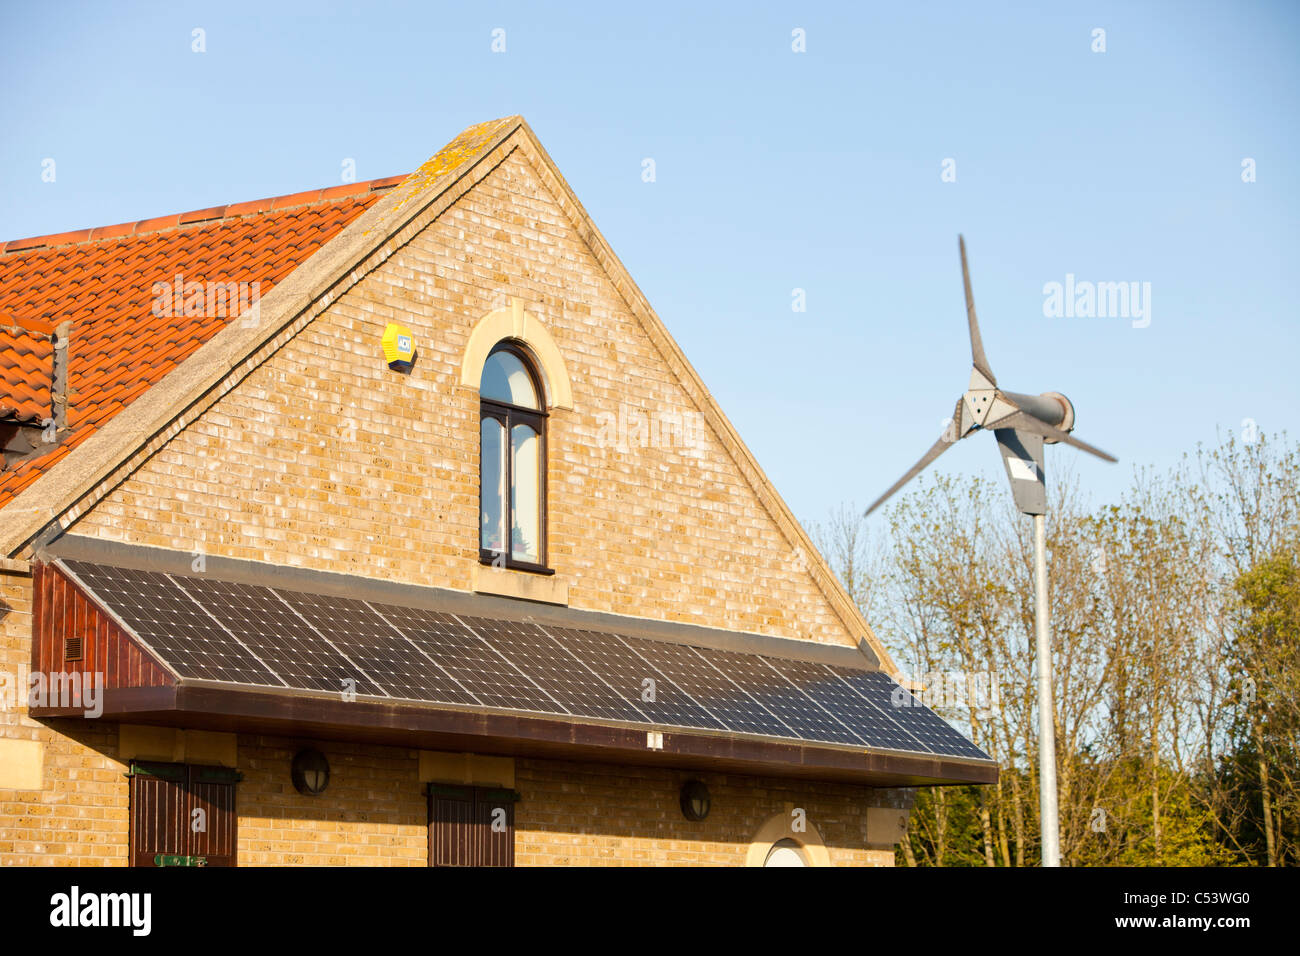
(525, 495)
(505, 379)
(492, 487)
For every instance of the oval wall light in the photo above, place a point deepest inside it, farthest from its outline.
(695, 800)
(311, 772)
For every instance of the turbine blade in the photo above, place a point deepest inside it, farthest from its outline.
(939, 447)
(976, 344)
(1031, 424)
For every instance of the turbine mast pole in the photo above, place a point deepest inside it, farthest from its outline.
(1051, 837)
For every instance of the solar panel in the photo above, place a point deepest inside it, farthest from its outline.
(165, 618)
(287, 644)
(662, 701)
(377, 652)
(555, 670)
(709, 687)
(771, 689)
(469, 660)
(873, 727)
(935, 733)
(251, 634)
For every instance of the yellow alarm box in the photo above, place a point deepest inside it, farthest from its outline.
(399, 347)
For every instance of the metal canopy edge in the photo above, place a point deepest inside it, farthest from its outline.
(230, 708)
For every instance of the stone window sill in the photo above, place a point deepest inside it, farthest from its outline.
(548, 589)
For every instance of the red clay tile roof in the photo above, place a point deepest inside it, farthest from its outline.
(26, 369)
(115, 285)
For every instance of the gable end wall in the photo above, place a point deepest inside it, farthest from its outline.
(325, 458)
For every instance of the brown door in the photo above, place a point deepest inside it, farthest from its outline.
(471, 826)
(212, 791)
(182, 815)
(158, 804)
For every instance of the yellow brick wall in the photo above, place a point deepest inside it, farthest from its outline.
(373, 813)
(79, 817)
(576, 814)
(325, 458)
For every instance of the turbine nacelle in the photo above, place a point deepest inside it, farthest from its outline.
(985, 405)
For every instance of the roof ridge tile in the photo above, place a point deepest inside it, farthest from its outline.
(210, 214)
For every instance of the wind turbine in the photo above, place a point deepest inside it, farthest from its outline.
(1021, 424)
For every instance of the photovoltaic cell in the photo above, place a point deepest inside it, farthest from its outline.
(925, 725)
(628, 674)
(377, 652)
(873, 728)
(552, 668)
(466, 657)
(685, 667)
(164, 617)
(270, 628)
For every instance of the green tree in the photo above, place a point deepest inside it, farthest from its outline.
(1266, 661)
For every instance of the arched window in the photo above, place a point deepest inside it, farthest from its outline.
(512, 470)
(785, 853)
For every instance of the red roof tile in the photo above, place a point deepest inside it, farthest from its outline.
(27, 370)
(141, 297)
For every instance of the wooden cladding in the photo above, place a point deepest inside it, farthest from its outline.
(471, 826)
(72, 634)
(182, 815)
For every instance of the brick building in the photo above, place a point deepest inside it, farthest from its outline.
(386, 524)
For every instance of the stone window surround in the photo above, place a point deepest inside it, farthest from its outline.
(515, 324)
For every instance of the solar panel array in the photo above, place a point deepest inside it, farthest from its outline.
(275, 637)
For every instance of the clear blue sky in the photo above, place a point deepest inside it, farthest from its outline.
(776, 170)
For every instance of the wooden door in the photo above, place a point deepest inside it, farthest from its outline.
(182, 815)
(471, 826)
